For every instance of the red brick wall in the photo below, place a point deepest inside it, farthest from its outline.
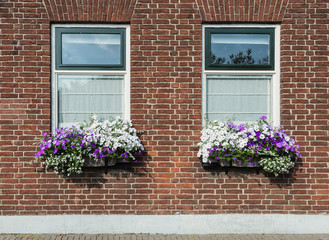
(166, 58)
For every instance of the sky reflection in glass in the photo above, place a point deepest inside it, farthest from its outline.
(240, 48)
(91, 49)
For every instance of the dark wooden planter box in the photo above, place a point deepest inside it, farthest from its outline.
(246, 164)
(104, 162)
(234, 163)
(89, 162)
(225, 163)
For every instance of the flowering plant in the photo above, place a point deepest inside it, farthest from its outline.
(115, 139)
(246, 142)
(66, 149)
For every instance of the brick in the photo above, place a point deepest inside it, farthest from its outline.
(166, 103)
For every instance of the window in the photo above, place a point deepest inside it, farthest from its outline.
(90, 72)
(241, 72)
(240, 48)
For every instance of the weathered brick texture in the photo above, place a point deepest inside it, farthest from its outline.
(102, 11)
(166, 82)
(255, 11)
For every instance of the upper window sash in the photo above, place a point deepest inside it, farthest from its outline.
(92, 32)
(234, 32)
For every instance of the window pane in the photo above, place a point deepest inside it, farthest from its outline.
(245, 49)
(91, 49)
(242, 97)
(81, 96)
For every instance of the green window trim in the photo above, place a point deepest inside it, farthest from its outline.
(58, 48)
(216, 66)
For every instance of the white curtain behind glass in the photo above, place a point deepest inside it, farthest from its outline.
(81, 96)
(242, 97)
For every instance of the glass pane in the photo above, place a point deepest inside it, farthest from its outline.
(91, 49)
(81, 96)
(238, 104)
(237, 84)
(244, 49)
(237, 117)
(243, 98)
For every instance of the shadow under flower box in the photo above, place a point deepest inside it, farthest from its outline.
(104, 162)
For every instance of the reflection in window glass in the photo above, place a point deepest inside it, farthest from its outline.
(91, 49)
(245, 49)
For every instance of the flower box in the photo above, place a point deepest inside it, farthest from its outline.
(235, 163)
(250, 164)
(262, 145)
(89, 162)
(104, 162)
(225, 163)
(90, 144)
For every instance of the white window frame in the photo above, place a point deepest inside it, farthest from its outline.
(275, 83)
(54, 72)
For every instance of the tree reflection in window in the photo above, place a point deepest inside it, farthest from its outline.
(239, 58)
